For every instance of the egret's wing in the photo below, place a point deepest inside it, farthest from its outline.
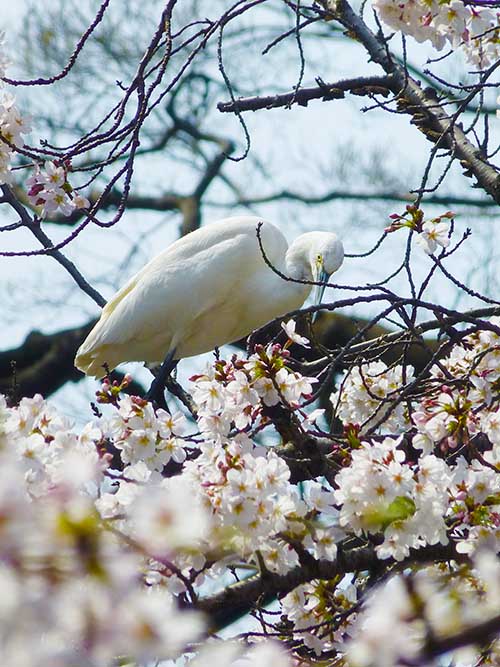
(193, 291)
(119, 296)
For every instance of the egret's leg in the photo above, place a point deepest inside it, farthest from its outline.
(157, 390)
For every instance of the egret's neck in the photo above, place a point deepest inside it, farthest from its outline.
(297, 267)
(298, 261)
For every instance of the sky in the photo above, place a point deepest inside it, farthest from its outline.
(11, 13)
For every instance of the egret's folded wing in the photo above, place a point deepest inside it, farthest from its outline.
(197, 297)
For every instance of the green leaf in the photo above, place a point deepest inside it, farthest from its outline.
(400, 509)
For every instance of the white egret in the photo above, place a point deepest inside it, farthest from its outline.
(208, 288)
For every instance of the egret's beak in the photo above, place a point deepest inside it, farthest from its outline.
(321, 276)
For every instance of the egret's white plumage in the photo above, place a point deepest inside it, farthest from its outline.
(210, 287)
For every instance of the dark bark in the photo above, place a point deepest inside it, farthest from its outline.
(234, 601)
(43, 363)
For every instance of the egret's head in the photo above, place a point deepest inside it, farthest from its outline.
(328, 252)
(315, 256)
(327, 255)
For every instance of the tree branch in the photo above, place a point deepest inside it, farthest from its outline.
(236, 600)
(43, 363)
(479, 635)
(427, 113)
(333, 330)
(345, 195)
(38, 233)
(363, 85)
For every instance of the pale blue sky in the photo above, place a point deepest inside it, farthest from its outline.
(11, 11)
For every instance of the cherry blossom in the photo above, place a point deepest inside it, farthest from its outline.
(289, 329)
(471, 28)
(113, 535)
(365, 396)
(50, 191)
(400, 490)
(434, 234)
(12, 126)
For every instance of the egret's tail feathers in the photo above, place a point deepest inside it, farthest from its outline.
(90, 364)
(91, 361)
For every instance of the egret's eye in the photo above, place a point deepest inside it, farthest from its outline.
(319, 259)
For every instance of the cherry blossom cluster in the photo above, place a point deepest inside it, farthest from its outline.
(476, 362)
(440, 601)
(111, 536)
(381, 492)
(417, 504)
(236, 393)
(85, 548)
(255, 512)
(430, 233)
(458, 412)
(245, 485)
(317, 611)
(50, 191)
(403, 487)
(12, 127)
(436, 483)
(365, 394)
(260, 516)
(472, 28)
(94, 524)
(76, 585)
(248, 492)
(144, 435)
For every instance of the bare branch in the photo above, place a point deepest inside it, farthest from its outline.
(369, 85)
(37, 231)
(348, 195)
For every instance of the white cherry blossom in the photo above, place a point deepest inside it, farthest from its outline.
(289, 329)
(434, 234)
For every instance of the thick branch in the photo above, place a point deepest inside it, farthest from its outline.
(427, 114)
(227, 605)
(446, 91)
(44, 363)
(323, 91)
(479, 635)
